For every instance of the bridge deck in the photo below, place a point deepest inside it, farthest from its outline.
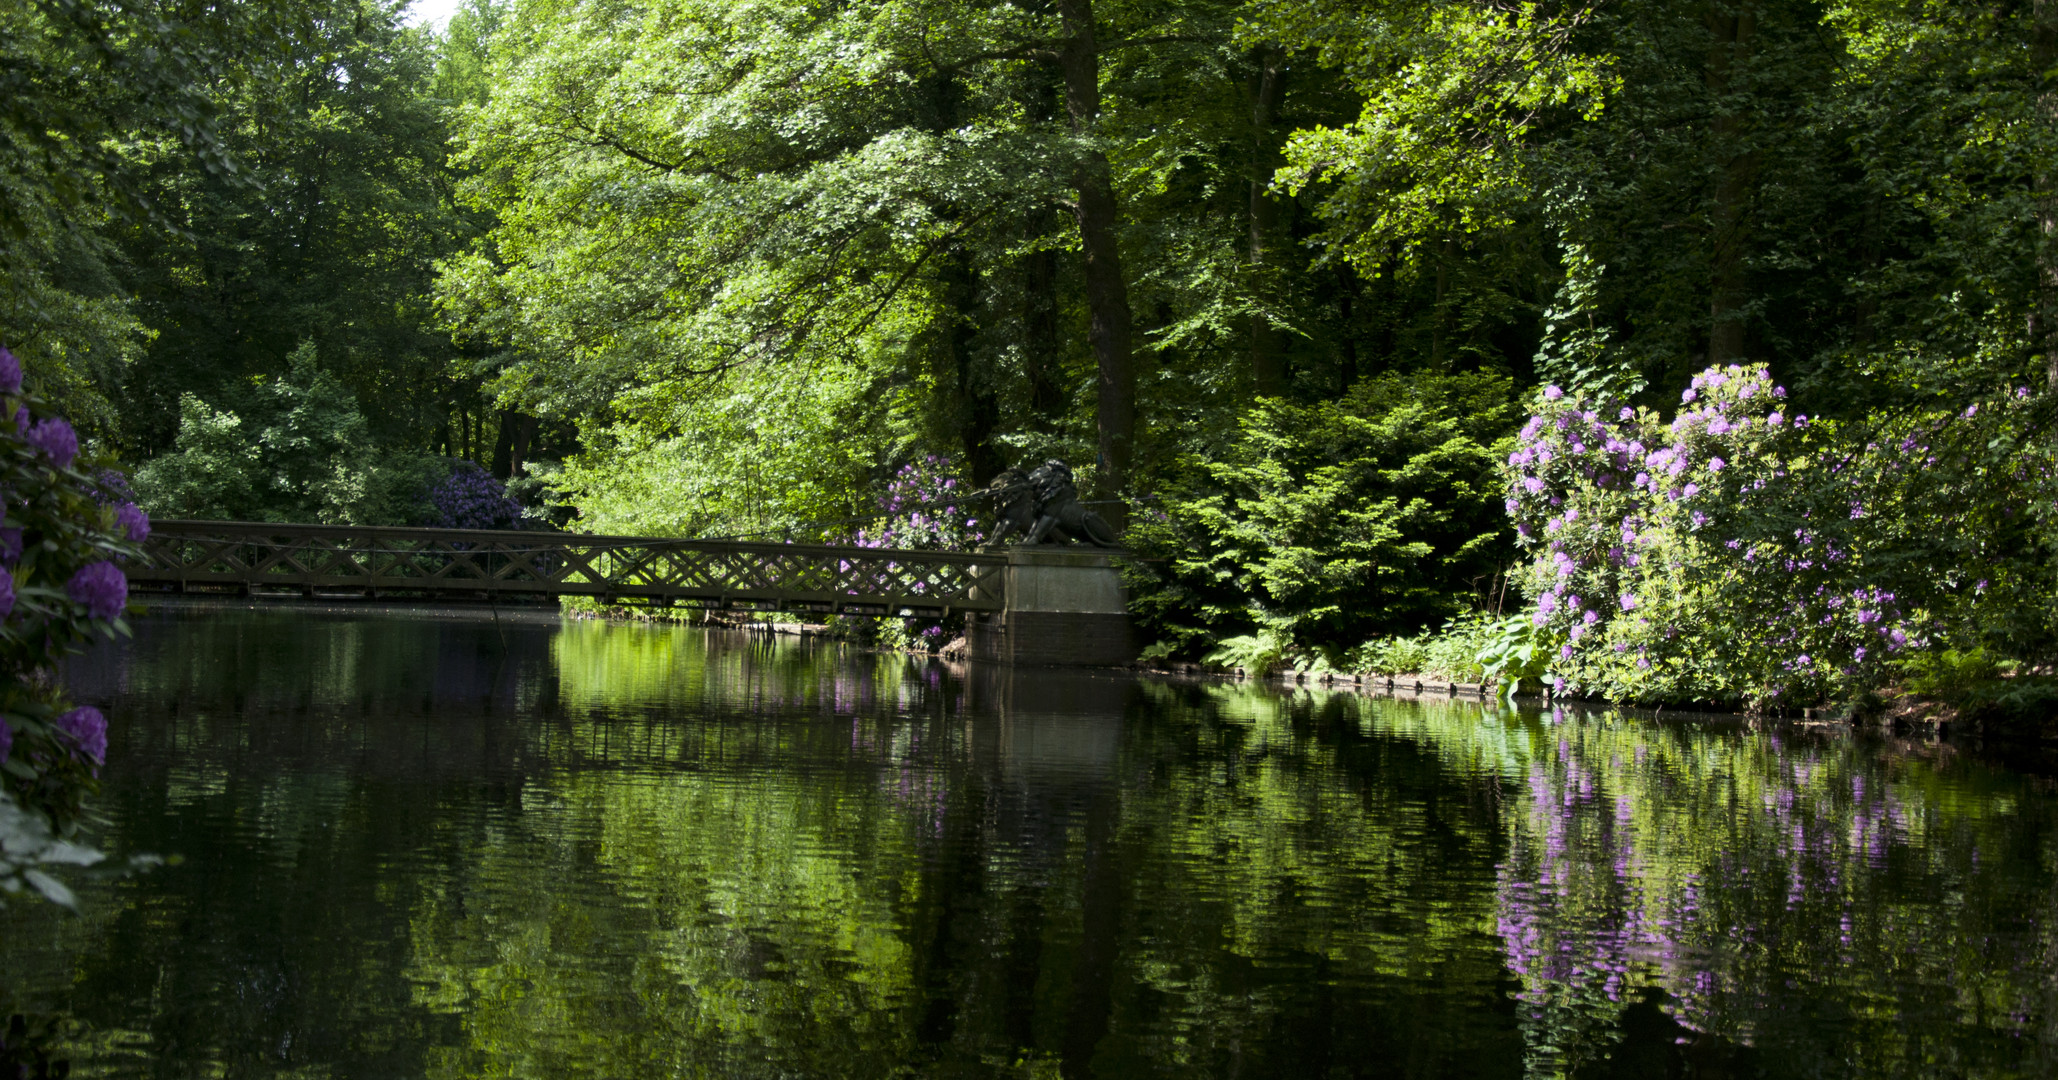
(244, 557)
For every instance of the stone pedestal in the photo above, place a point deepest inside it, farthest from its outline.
(1065, 608)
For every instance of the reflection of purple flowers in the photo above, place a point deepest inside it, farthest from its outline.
(101, 587)
(10, 546)
(56, 440)
(6, 740)
(10, 376)
(6, 595)
(87, 730)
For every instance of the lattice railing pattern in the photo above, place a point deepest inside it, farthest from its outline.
(213, 556)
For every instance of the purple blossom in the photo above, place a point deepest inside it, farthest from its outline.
(10, 546)
(1590, 618)
(1533, 485)
(10, 382)
(133, 522)
(100, 586)
(1552, 393)
(1689, 396)
(471, 498)
(6, 596)
(1629, 601)
(87, 730)
(56, 440)
(1716, 464)
(1564, 651)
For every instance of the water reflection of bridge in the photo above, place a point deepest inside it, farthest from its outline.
(390, 563)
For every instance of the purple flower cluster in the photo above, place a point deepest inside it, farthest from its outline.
(87, 730)
(470, 498)
(1667, 524)
(921, 508)
(55, 439)
(132, 522)
(101, 587)
(10, 372)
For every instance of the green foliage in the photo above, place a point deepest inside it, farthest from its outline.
(1950, 674)
(1326, 523)
(294, 448)
(1258, 654)
(1514, 651)
(1454, 653)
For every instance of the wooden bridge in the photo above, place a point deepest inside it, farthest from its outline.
(461, 564)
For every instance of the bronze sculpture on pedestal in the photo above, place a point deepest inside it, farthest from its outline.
(1043, 506)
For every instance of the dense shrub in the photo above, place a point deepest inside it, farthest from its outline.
(922, 510)
(470, 498)
(64, 531)
(1740, 553)
(296, 449)
(1330, 523)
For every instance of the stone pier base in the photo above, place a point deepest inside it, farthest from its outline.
(1065, 608)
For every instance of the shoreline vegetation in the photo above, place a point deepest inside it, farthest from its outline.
(1896, 710)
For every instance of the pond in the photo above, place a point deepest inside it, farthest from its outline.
(444, 845)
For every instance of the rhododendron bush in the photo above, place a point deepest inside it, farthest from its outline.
(1745, 553)
(64, 532)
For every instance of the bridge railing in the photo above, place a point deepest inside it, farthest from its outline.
(230, 556)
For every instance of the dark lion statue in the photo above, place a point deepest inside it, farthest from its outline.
(1042, 506)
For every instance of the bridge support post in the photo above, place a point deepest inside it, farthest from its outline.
(1065, 607)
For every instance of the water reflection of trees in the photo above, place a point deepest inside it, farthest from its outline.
(607, 850)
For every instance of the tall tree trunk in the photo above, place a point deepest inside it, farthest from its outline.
(1347, 313)
(1107, 295)
(1731, 25)
(1268, 356)
(524, 437)
(2043, 57)
(1042, 351)
(503, 444)
(1439, 316)
(978, 403)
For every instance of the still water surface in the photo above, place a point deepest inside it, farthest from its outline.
(424, 845)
